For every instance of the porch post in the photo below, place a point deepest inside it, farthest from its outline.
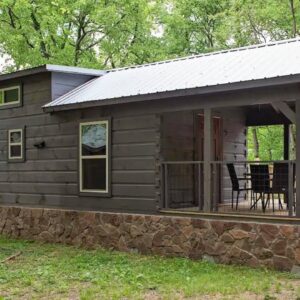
(286, 141)
(286, 156)
(207, 159)
(298, 158)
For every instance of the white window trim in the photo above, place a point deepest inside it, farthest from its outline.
(8, 89)
(106, 157)
(15, 144)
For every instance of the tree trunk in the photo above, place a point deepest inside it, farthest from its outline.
(292, 141)
(255, 143)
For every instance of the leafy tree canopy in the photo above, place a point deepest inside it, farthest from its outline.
(78, 32)
(114, 33)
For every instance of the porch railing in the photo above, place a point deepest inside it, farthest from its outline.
(243, 187)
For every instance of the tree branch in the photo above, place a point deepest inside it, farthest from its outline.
(37, 28)
(293, 12)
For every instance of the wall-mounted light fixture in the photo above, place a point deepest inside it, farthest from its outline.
(40, 145)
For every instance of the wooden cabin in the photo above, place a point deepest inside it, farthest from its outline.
(149, 138)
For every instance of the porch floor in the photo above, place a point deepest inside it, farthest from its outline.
(244, 209)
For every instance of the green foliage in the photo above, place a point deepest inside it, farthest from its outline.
(60, 272)
(195, 26)
(105, 34)
(264, 20)
(270, 139)
(89, 33)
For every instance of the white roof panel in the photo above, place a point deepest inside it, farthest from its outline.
(218, 68)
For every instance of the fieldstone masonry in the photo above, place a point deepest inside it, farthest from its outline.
(252, 244)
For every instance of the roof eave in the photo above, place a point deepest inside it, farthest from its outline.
(22, 73)
(52, 68)
(276, 81)
(75, 70)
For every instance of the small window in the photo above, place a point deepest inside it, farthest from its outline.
(94, 151)
(10, 95)
(15, 144)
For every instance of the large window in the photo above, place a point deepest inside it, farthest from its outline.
(10, 95)
(16, 145)
(94, 157)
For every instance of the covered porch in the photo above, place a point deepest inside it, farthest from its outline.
(205, 166)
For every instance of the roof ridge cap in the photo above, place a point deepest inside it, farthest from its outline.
(229, 50)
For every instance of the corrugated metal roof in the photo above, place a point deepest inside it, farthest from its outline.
(258, 62)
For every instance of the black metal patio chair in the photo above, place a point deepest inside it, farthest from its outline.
(235, 181)
(280, 182)
(260, 184)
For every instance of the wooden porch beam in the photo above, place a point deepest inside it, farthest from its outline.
(208, 129)
(286, 110)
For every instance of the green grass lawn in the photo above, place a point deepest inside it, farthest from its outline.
(45, 271)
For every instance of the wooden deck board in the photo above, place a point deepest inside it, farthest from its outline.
(244, 209)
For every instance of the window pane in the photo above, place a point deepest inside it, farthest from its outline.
(93, 139)
(94, 174)
(15, 137)
(1, 97)
(11, 95)
(15, 151)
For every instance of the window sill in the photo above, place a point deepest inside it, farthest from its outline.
(16, 160)
(13, 105)
(95, 194)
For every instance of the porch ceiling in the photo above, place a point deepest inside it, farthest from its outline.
(265, 114)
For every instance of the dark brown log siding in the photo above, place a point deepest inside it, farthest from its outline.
(179, 144)
(49, 176)
(234, 144)
(178, 139)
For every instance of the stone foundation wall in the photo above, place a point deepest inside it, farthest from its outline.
(273, 246)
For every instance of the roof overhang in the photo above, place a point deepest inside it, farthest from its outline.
(52, 68)
(230, 87)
